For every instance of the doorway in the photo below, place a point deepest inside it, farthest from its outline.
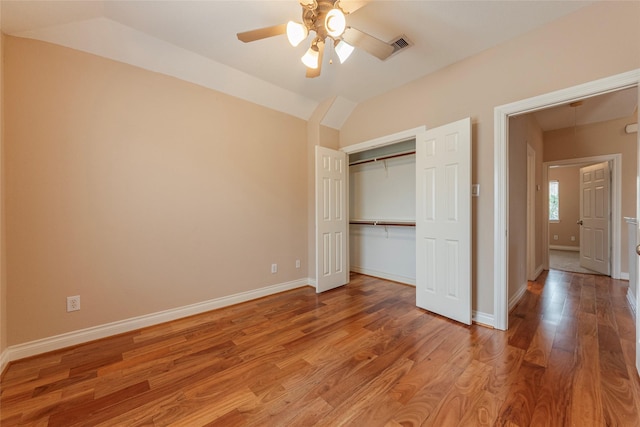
(615, 204)
(501, 156)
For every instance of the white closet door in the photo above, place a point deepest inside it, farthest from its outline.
(443, 220)
(331, 219)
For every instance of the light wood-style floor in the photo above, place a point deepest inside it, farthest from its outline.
(361, 355)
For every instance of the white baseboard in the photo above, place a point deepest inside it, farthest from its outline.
(565, 248)
(4, 360)
(68, 339)
(383, 275)
(538, 272)
(624, 276)
(483, 318)
(631, 299)
(515, 299)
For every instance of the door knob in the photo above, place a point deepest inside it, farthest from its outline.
(579, 222)
(638, 249)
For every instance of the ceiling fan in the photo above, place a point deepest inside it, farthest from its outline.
(328, 20)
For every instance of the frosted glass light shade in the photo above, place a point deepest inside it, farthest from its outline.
(343, 50)
(335, 23)
(310, 59)
(296, 33)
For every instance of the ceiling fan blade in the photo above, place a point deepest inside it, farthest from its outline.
(262, 33)
(315, 72)
(368, 43)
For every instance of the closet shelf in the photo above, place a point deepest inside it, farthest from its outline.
(383, 222)
(389, 156)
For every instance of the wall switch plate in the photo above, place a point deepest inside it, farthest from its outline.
(573, 238)
(297, 263)
(274, 268)
(555, 237)
(475, 190)
(73, 303)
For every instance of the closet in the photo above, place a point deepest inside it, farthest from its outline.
(382, 208)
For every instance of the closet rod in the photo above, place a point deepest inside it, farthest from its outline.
(389, 223)
(389, 156)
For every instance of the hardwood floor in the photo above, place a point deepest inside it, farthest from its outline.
(362, 355)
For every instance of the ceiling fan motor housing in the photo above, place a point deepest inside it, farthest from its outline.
(314, 16)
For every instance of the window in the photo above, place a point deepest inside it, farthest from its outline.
(554, 201)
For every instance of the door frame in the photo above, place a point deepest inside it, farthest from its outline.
(615, 163)
(384, 140)
(532, 268)
(501, 170)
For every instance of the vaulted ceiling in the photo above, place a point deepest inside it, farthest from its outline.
(196, 41)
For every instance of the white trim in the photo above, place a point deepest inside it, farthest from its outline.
(4, 361)
(384, 140)
(616, 205)
(383, 275)
(482, 318)
(515, 299)
(624, 276)
(538, 271)
(565, 248)
(531, 212)
(631, 300)
(68, 339)
(501, 168)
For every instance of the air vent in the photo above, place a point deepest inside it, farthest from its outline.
(400, 43)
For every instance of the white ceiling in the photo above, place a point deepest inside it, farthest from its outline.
(196, 41)
(609, 106)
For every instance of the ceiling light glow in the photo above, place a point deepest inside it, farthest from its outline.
(335, 23)
(343, 50)
(310, 59)
(296, 33)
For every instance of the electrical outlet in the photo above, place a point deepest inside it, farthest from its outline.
(73, 303)
(573, 238)
(274, 268)
(297, 263)
(555, 237)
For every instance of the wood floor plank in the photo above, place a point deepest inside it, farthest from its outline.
(359, 355)
(520, 403)
(586, 408)
(553, 405)
(540, 348)
(458, 403)
(426, 400)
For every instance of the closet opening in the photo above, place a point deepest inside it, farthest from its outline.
(382, 209)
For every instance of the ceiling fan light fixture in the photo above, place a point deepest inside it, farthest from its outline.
(343, 50)
(310, 59)
(296, 32)
(335, 23)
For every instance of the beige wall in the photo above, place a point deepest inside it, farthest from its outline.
(523, 131)
(595, 140)
(139, 192)
(569, 198)
(578, 48)
(317, 135)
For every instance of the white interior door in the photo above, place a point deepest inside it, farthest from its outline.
(443, 220)
(331, 219)
(595, 217)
